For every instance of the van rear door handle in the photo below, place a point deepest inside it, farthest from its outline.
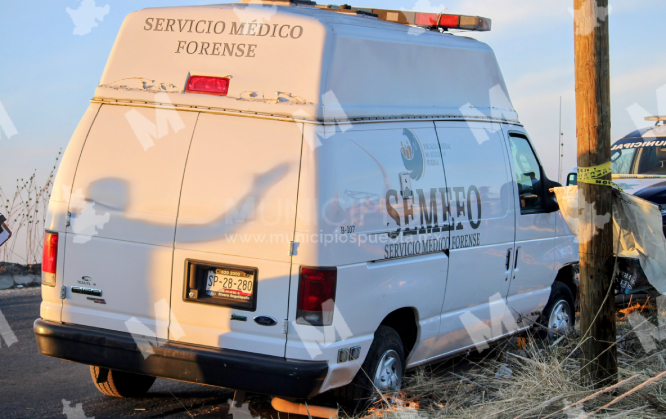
(515, 265)
(508, 259)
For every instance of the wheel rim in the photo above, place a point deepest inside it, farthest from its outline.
(389, 372)
(560, 319)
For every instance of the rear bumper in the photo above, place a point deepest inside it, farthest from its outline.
(218, 367)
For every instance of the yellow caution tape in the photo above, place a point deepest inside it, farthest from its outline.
(638, 176)
(592, 175)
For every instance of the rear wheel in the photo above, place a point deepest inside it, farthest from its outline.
(120, 383)
(382, 370)
(558, 316)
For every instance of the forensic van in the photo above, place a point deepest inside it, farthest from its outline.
(286, 199)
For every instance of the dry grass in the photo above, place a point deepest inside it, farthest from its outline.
(540, 381)
(25, 211)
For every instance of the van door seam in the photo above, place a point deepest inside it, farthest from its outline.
(448, 259)
(291, 259)
(175, 229)
(506, 140)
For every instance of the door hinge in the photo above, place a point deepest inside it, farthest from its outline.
(63, 292)
(68, 220)
(285, 326)
(293, 248)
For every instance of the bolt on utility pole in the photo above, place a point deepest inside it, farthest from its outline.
(597, 300)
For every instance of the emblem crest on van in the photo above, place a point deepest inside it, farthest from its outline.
(412, 155)
(265, 321)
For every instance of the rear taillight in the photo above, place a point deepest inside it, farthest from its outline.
(316, 296)
(49, 259)
(208, 85)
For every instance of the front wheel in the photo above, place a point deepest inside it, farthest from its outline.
(120, 383)
(558, 316)
(381, 372)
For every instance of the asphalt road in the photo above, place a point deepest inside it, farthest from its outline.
(35, 386)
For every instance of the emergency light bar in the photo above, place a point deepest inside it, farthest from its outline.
(427, 20)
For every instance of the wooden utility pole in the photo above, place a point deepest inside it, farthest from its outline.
(593, 123)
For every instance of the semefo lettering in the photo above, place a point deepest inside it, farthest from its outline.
(458, 202)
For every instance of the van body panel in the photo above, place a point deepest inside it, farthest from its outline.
(213, 326)
(483, 208)
(351, 207)
(385, 241)
(158, 49)
(56, 219)
(134, 279)
(251, 209)
(56, 216)
(131, 169)
(421, 90)
(414, 282)
(166, 46)
(238, 207)
(124, 202)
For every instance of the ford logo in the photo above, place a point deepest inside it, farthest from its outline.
(265, 321)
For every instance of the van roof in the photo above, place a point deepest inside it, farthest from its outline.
(302, 63)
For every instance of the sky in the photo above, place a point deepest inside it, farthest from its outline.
(53, 55)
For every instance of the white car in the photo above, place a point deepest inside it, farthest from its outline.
(270, 198)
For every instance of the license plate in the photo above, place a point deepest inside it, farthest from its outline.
(230, 283)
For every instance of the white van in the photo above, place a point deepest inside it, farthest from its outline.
(271, 197)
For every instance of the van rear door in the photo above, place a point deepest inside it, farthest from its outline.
(122, 217)
(237, 214)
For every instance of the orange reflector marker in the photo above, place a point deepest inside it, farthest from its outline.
(474, 23)
(208, 85)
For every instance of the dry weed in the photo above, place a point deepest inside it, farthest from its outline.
(540, 381)
(25, 211)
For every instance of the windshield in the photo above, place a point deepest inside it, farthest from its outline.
(642, 158)
(621, 161)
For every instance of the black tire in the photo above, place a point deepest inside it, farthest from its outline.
(120, 383)
(358, 394)
(560, 295)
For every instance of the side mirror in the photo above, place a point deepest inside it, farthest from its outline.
(549, 200)
(5, 233)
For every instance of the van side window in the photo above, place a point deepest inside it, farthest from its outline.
(528, 174)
